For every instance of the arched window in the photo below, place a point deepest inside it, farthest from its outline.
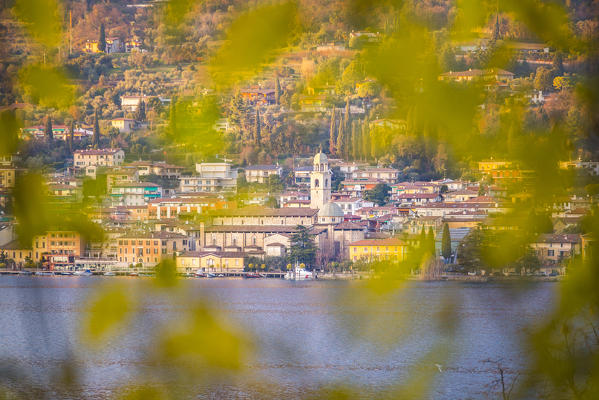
(316, 183)
(254, 240)
(326, 183)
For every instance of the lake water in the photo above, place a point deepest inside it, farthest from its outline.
(308, 335)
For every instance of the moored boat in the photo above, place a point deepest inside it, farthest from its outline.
(253, 275)
(298, 273)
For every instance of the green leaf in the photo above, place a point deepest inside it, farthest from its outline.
(41, 19)
(252, 40)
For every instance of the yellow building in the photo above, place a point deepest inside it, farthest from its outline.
(377, 249)
(210, 261)
(58, 243)
(7, 177)
(16, 252)
(91, 46)
(492, 165)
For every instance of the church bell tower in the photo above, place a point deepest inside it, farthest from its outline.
(320, 182)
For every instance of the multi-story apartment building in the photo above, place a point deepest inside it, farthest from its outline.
(134, 193)
(7, 177)
(211, 177)
(158, 168)
(378, 249)
(386, 175)
(68, 243)
(98, 158)
(149, 249)
(174, 206)
(261, 173)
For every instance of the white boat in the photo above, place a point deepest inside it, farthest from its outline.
(44, 273)
(109, 273)
(86, 272)
(298, 274)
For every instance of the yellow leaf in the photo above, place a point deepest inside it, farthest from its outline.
(252, 40)
(41, 19)
(110, 308)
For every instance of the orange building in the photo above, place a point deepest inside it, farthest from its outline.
(69, 243)
(149, 248)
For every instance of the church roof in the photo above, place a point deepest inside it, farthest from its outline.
(257, 211)
(330, 210)
(320, 158)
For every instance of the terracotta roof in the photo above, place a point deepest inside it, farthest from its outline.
(97, 152)
(262, 167)
(349, 226)
(268, 212)
(557, 238)
(251, 228)
(379, 242)
(221, 254)
(14, 245)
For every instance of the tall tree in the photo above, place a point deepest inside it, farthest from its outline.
(257, 128)
(365, 144)
(340, 148)
(102, 39)
(96, 137)
(355, 140)
(422, 238)
(558, 64)
(347, 116)
(303, 248)
(141, 111)
(172, 117)
(277, 90)
(332, 138)
(48, 129)
(446, 242)
(430, 239)
(71, 135)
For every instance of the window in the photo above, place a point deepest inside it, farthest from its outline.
(316, 183)
(550, 253)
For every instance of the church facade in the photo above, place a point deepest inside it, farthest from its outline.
(262, 231)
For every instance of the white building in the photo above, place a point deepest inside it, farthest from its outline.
(211, 177)
(261, 173)
(98, 158)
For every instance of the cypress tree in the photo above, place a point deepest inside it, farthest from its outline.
(422, 238)
(141, 111)
(173, 117)
(347, 116)
(257, 128)
(355, 140)
(365, 139)
(71, 135)
(48, 129)
(277, 90)
(340, 148)
(102, 39)
(431, 240)
(96, 137)
(332, 138)
(446, 242)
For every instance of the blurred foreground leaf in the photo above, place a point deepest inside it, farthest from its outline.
(42, 20)
(46, 86)
(109, 309)
(9, 132)
(252, 40)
